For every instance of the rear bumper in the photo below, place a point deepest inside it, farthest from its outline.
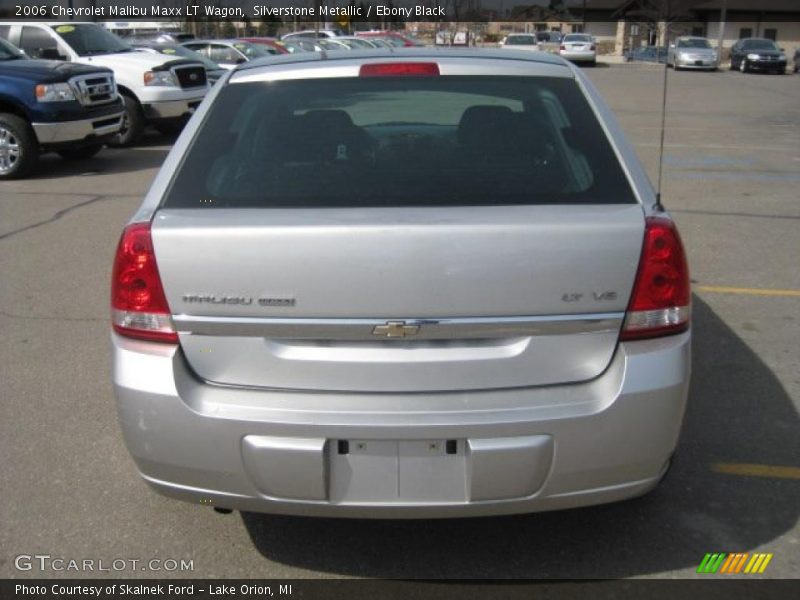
(513, 451)
(579, 56)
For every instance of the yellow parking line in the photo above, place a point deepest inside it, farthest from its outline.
(716, 289)
(751, 470)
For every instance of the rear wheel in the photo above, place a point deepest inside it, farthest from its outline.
(132, 124)
(19, 151)
(81, 153)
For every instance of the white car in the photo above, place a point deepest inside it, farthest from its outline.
(579, 47)
(520, 41)
(155, 89)
(312, 34)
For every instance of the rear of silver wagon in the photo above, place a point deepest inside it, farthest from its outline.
(409, 284)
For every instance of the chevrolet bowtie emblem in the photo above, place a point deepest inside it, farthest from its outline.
(395, 329)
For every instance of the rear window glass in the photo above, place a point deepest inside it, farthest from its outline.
(521, 40)
(382, 141)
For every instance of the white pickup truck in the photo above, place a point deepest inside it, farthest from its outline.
(155, 90)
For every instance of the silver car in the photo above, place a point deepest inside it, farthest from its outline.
(689, 52)
(579, 47)
(408, 283)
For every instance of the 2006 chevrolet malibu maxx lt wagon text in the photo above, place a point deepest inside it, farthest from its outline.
(410, 283)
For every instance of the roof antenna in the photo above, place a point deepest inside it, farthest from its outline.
(658, 206)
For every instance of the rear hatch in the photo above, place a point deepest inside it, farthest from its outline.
(371, 235)
(292, 299)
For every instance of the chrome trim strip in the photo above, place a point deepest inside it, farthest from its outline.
(429, 329)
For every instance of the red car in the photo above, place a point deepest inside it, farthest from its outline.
(271, 42)
(391, 36)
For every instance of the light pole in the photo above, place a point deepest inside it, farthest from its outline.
(721, 33)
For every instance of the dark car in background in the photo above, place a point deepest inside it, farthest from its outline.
(758, 54)
(52, 106)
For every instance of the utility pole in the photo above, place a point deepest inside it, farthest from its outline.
(583, 29)
(721, 34)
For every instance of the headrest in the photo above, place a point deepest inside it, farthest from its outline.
(337, 119)
(481, 124)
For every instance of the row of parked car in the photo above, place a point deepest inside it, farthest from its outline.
(72, 88)
(692, 52)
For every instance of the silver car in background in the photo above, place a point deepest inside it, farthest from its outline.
(579, 47)
(408, 283)
(688, 52)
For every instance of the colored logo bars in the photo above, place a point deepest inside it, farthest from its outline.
(735, 563)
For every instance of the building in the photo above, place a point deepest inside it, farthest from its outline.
(618, 25)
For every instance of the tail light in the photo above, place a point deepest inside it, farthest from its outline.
(138, 306)
(562, 47)
(399, 69)
(660, 303)
(592, 47)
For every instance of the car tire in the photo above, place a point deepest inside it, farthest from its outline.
(81, 153)
(132, 124)
(19, 149)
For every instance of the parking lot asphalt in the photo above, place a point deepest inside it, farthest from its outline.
(731, 179)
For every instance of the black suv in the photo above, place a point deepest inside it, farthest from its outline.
(50, 105)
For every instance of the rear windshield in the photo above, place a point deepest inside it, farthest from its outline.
(521, 40)
(402, 141)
